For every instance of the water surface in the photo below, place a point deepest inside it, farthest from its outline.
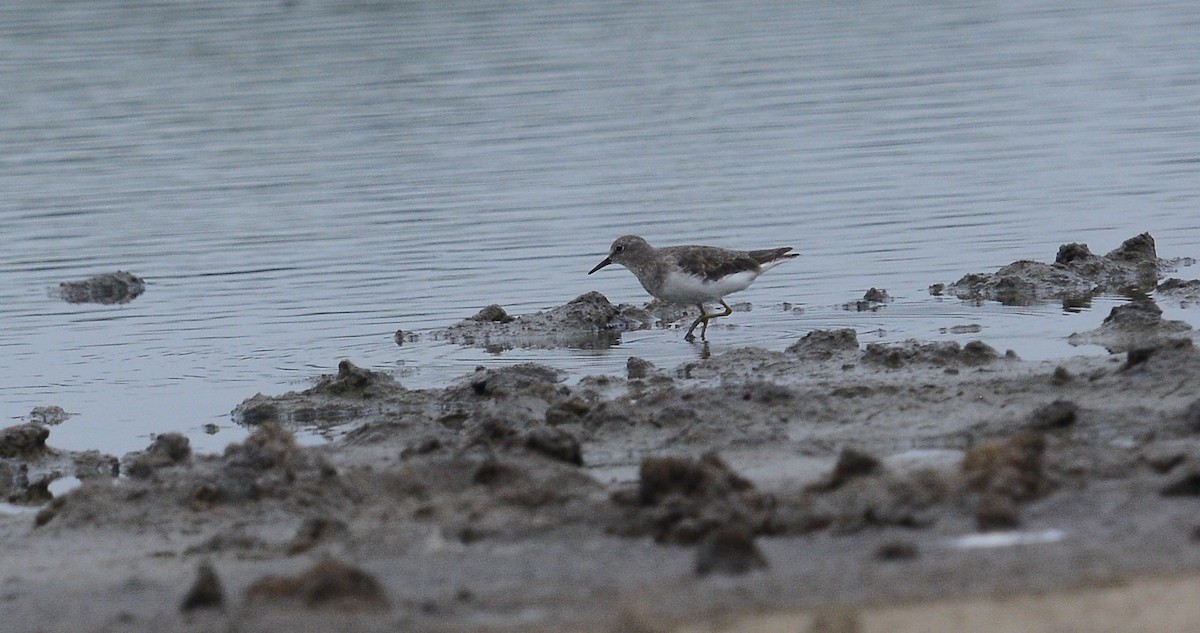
(297, 180)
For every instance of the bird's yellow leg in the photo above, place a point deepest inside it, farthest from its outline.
(703, 320)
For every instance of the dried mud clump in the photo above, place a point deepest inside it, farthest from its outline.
(826, 344)
(328, 585)
(682, 500)
(1055, 415)
(206, 591)
(473, 496)
(1134, 325)
(730, 551)
(547, 441)
(1075, 276)
(353, 381)
(1185, 483)
(873, 300)
(1003, 474)
(555, 444)
(21, 487)
(638, 368)
(106, 289)
(851, 464)
(353, 394)
(267, 465)
(567, 410)
(492, 314)
(504, 381)
(167, 449)
(48, 415)
(93, 463)
(940, 354)
(313, 531)
(859, 493)
(587, 321)
(28, 466)
(23, 441)
(1191, 416)
(897, 550)
(1187, 292)
(268, 473)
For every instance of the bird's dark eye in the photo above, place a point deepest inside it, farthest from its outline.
(618, 248)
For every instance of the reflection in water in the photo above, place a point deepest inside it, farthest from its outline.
(297, 181)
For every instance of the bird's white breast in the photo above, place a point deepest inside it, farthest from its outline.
(679, 287)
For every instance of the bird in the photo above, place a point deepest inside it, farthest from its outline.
(693, 274)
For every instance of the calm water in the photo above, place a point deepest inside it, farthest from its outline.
(298, 179)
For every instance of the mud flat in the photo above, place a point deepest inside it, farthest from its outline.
(830, 486)
(107, 289)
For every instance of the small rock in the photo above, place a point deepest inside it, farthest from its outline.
(897, 550)
(1137, 356)
(566, 410)
(206, 591)
(93, 463)
(938, 353)
(1191, 416)
(23, 440)
(1010, 467)
(1136, 327)
(836, 620)
(873, 300)
(422, 446)
(728, 551)
(682, 500)
(351, 381)
(851, 464)
(825, 344)
(492, 314)
(980, 353)
(1162, 457)
(313, 531)
(1068, 253)
(1139, 248)
(637, 368)
(48, 416)
(996, 512)
(662, 476)
(1056, 415)
(877, 295)
(106, 289)
(327, 585)
(555, 444)
(167, 449)
(1186, 484)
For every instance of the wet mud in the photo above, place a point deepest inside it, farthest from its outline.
(820, 479)
(589, 321)
(1075, 277)
(28, 466)
(107, 289)
(1135, 325)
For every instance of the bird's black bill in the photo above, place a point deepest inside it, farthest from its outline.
(602, 264)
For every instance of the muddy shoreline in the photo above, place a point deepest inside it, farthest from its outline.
(831, 486)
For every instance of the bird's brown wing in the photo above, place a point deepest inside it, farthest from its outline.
(769, 255)
(712, 263)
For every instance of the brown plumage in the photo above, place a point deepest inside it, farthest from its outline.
(693, 274)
